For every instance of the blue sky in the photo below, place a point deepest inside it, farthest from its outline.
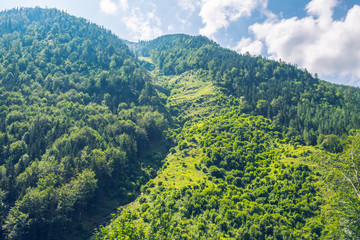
(319, 35)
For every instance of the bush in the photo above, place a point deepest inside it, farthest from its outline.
(216, 172)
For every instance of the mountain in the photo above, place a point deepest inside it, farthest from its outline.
(289, 96)
(258, 148)
(192, 140)
(81, 124)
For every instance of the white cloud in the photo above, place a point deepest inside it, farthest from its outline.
(246, 45)
(321, 8)
(189, 5)
(143, 26)
(316, 42)
(107, 6)
(187, 9)
(217, 14)
(171, 28)
(124, 4)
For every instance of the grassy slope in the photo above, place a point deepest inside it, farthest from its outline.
(200, 101)
(199, 98)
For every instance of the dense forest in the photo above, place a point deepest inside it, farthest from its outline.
(79, 121)
(190, 140)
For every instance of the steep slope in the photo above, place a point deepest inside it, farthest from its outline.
(80, 129)
(62, 52)
(234, 174)
(256, 144)
(306, 106)
(230, 176)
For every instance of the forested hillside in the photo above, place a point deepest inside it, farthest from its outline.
(261, 150)
(190, 140)
(294, 99)
(79, 128)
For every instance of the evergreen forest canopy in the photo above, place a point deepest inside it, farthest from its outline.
(193, 140)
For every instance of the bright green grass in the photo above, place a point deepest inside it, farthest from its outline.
(198, 100)
(146, 59)
(180, 170)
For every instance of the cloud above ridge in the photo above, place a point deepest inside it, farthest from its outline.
(143, 26)
(217, 14)
(108, 6)
(124, 5)
(316, 42)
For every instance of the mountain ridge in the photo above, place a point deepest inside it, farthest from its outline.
(202, 141)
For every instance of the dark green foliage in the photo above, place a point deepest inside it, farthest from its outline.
(67, 56)
(332, 144)
(44, 210)
(78, 118)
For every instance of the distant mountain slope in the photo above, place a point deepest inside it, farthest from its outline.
(62, 52)
(81, 125)
(306, 106)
